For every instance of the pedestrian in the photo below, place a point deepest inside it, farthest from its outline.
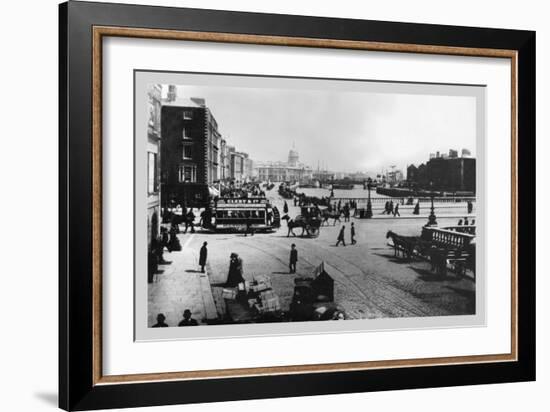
(396, 210)
(352, 231)
(160, 321)
(202, 256)
(386, 207)
(466, 221)
(293, 258)
(174, 222)
(249, 226)
(189, 221)
(165, 240)
(470, 206)
(235, 275)
(341, 237)
(174, 243)
(390, 208)
(416, 210)
(158, 248)
(285, 208)
(187, 319)
(205, 219)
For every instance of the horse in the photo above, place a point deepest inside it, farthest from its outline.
(405, 244)
(291, 224)
(330, 215)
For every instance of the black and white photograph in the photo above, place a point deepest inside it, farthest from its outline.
(310, 200)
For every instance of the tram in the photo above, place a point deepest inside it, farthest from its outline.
(237, 214)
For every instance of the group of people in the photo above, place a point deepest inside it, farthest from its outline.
(391, 209)
(341, 235)
(186, 321)
(466, 222)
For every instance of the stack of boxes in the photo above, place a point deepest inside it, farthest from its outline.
(259, 294)
(261, 297)
(230, 294)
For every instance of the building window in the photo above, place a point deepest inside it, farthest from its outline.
(188, 174)
(185, 135)
(152, 175)
(187, 115)
(187, 151)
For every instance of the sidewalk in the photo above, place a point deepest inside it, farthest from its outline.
(181, 286)
(457, 216)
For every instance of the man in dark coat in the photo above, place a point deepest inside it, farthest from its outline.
(396, 210)
(341, 237)
(202, 256)
(190, 221)
(187, 319)
(293, 258)
(235, 275)
(160, 321)
(352, 231)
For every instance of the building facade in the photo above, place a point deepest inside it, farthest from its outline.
(290, 171)
(153, 162)
(448, 173)
(190, 154)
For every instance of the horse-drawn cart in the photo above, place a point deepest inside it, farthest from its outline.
(309, 220)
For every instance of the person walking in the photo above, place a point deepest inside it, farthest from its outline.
(352, 232)
(470, 206)
(341, 237)
(416, 210)
(396, 210)
(248, 227)
(293, 259)
(203, 254)
(187, 319)
(285, 208)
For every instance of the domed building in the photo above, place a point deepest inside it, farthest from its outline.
(293, 158)
(278, 171)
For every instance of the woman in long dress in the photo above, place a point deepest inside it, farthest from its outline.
(235, 275)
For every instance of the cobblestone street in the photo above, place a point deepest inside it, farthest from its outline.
(369, 281)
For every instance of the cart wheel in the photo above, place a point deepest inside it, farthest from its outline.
(313, 231)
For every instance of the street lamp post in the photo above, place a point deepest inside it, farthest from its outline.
(368, 214)
(432, 218)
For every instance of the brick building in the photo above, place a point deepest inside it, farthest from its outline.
(446, 173)
(190, 152)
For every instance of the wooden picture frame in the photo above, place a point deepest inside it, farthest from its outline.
(82, 385)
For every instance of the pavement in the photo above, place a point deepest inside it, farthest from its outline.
(180, 285)
(369, 281)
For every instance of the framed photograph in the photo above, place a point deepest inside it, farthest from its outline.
(331, 205)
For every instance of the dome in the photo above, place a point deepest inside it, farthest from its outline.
(293, 157)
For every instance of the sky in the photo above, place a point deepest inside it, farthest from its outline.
(340, 131)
